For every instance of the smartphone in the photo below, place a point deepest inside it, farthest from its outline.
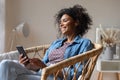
(21, 51)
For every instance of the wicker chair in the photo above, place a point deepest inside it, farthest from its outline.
(91, 57)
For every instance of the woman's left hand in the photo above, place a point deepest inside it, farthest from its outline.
(35, 64)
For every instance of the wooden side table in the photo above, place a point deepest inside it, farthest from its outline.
(112, 66)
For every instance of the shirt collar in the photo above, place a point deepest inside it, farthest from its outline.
(76, 39)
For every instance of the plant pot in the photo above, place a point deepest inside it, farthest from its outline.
(109, 52)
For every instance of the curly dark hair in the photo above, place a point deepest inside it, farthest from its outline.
(79, 14)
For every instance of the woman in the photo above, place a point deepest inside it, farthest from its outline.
(73, 23)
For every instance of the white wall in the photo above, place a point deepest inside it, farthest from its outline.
(39, 17)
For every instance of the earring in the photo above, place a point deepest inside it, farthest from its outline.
(76, 24)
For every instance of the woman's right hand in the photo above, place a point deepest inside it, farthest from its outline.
(23, 60)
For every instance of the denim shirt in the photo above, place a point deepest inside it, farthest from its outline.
(78, 46)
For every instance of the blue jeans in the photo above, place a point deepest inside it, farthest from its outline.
(13, 70)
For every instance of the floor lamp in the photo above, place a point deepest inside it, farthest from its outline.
(20, 30)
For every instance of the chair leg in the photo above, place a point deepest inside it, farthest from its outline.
(118, 76)
(100, 76)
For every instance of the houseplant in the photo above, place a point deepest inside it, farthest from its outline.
(109, 39)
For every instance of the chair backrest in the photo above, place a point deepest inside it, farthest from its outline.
(37, 51)
(91, 57)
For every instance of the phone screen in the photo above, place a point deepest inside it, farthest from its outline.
(21, 50)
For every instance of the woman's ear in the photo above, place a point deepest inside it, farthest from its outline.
(76, 23)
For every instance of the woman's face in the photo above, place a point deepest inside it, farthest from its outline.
(67, 25)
